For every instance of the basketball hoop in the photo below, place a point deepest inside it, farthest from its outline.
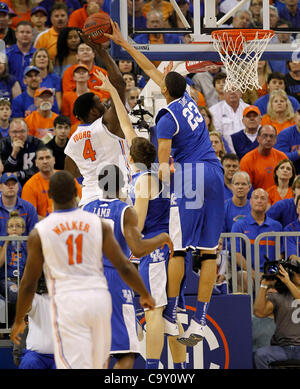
(240, 52)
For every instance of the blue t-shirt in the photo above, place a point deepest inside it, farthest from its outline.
(288, 141)
(112, 210)
(13, 268)
(292, 242)
(252, 229)
(262, 103)
(6, 85)
(284, 211)
(234, 213)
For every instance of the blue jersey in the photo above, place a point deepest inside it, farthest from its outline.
(182, 122)
(284, 211)
(14, 256)
(292, 242)
(113, 212)
(288, 141)
(157, 219)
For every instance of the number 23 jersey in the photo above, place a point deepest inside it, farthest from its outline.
(92, 145)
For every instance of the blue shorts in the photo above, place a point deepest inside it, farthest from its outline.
(34, 360)
(123, 319)
(153, 270)
(201, 211)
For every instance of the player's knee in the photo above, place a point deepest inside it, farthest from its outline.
(199, 258)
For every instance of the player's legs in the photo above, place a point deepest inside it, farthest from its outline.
(125, 361)
(178, 350)
(154, 336)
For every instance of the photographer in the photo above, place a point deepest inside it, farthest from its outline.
(284, 303)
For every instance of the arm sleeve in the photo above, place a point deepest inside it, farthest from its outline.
(283, 145)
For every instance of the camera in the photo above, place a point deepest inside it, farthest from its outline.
(271, 270)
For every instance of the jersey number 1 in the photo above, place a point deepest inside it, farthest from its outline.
(88, 151)
(70, 244)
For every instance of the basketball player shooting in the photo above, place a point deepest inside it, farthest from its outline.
(182, 133)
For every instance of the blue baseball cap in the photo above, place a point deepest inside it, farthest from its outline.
(39, 9)
(30, 68)
(8, 176)
(4, 8)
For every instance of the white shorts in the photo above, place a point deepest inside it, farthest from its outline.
(82, 328)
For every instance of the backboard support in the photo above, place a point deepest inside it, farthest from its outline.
(203, 50)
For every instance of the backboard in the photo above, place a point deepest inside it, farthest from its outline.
(201, 47)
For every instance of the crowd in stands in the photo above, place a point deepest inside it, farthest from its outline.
(45, 66)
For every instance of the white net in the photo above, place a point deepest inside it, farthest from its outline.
(240, 56)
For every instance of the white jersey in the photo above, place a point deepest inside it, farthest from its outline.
(72, 248)
(93, 145)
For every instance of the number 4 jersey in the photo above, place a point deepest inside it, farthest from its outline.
(72, 247)
(92, 145)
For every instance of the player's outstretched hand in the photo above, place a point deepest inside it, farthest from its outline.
(106, 84)
(147, 301)
(17, 329)
(116, 35)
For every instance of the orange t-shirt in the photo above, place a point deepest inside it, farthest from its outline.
(274, 196)
(69, 84)
(35, 190)
(20, 17)
(38, 125)
(166, 9)
(260, 168)
(79, 16)
(279, 126)
(48, 40)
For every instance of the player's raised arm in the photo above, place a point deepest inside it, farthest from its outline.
(139, 246)
(123, 117)
(28, 285)
(142, 61)
(128, 272)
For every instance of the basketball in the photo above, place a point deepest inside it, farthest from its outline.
(96, 25)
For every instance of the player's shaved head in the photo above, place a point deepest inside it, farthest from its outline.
(62, 188)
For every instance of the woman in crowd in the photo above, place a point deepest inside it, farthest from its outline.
(208, 118)
(67, 43)
(218, 144)
(50, 79)
(9, 86)
(128, 66)
(284, 175)
(280, 113)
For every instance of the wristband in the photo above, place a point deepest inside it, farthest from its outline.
(264, 286)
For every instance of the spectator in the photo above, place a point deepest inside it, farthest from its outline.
(261, 162)
(42, 61)
(7, 34)
(36, 188)
(280, 113)
(227, 5)
(245, 140)
(275, 81)
(81, 77)
(241, 19)
(283, 305)
(128, 66)
(292, 79)
(85, 56)
(284, 175)
(217, 144)
(208, 118)
(174, 20)
(219, 83)
(10, 201)
(291, 13)
(228, 115)
(155, 20)
(9, 86)
(79, 16)
(282, 37)
(62, 127)
(38, 18)
(238, 206)
(162, 6)
(21, 9)
(132, 97)
(48, 39)
(139, 17)
(263, 71)
(67, 44)
(5, 114)
(18, 151)
(274, 16)
(15, 253)
(129, 80)
(253, 224)
(72, 5)
(23, 104)
(292, 242)
(255, 7)
(231, 165)
(288, 141)
(19, 55)
(204, 83)
(284, 211)
(40, 122)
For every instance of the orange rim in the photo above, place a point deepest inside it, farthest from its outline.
(248, 34)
